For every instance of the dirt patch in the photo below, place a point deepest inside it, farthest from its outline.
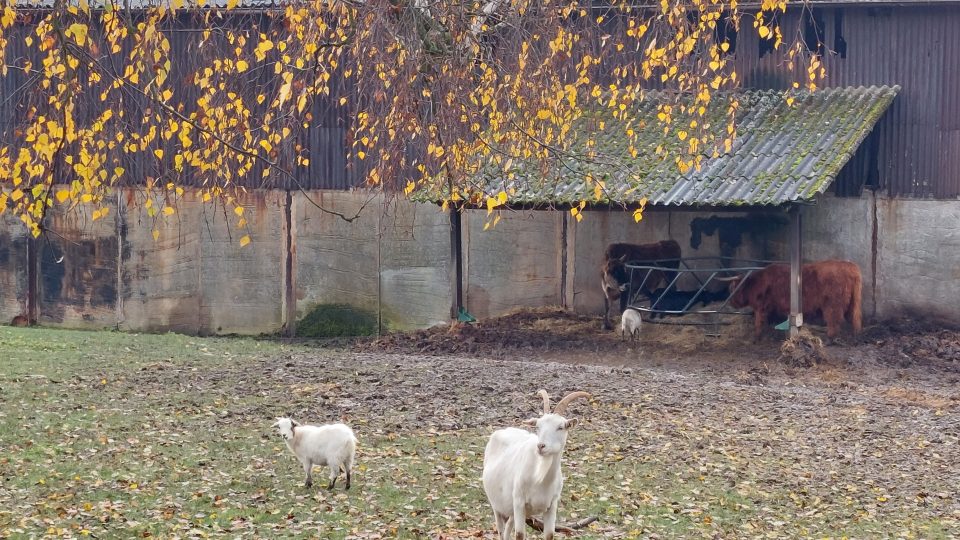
(531, 331)
(908, 343)
(556, 334)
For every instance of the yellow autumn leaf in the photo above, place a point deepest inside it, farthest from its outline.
(63, 195)
(232, 3)
(242, 65)
(156, 234)
(79, 33)
(284, 93)
(238, 210)
(245, 240)
(159, 153)
(168, 210)
(763, 31)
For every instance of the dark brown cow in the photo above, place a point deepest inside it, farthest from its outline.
(615, 278)
(830, 292)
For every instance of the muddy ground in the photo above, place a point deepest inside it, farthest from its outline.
(554, 334)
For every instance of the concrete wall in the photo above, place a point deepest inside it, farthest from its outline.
(841, 228)
(918, 259)
(13, 268)
(515, 264)
(414, 266)
(78, 265)
(393, 261)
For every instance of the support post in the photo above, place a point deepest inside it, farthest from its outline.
(33, 279)
(289, 275)
(796, 275)
(456, 261)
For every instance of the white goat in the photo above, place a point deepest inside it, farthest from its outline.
(332, 445)
(630, 323)
(521, 470)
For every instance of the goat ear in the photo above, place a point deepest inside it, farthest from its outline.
(532, 422)
(276, 424)
(295, 423)
(571, 423)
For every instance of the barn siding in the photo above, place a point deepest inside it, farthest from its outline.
(916, 47)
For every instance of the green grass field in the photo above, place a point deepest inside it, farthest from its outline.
(114, 435)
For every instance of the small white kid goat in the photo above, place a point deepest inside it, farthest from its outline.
(332, 445)
(521, 470)
(630, 323)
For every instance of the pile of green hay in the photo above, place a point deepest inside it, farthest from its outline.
(337, 320)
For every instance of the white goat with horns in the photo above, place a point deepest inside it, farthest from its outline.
(521, 470)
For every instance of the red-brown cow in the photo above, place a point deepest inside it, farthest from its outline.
(830, 292)
(615, 278)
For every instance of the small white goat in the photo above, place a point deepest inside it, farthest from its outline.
(630, 323)
(521, 470)
(332, 445)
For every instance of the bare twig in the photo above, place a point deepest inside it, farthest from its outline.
(537, 524)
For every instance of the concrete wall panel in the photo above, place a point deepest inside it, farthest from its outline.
(78, 265)
(241, 287)
(414, 266)
(161, 278)
(842, 228)
(13, 268)
(918, 264)
(514, 264)
(337, 261)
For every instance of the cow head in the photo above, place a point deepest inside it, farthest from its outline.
(615, 276)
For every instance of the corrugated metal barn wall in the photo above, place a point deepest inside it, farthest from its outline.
(326, 141)
(917, 144)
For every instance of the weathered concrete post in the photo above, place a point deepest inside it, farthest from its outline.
(456, 261)
(796, 276)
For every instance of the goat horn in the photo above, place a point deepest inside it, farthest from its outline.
(546, 400)
(562, 404)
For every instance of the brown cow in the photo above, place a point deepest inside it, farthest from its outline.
(615, 278)
(830, 292)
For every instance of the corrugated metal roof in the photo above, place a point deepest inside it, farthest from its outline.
(783, 153)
